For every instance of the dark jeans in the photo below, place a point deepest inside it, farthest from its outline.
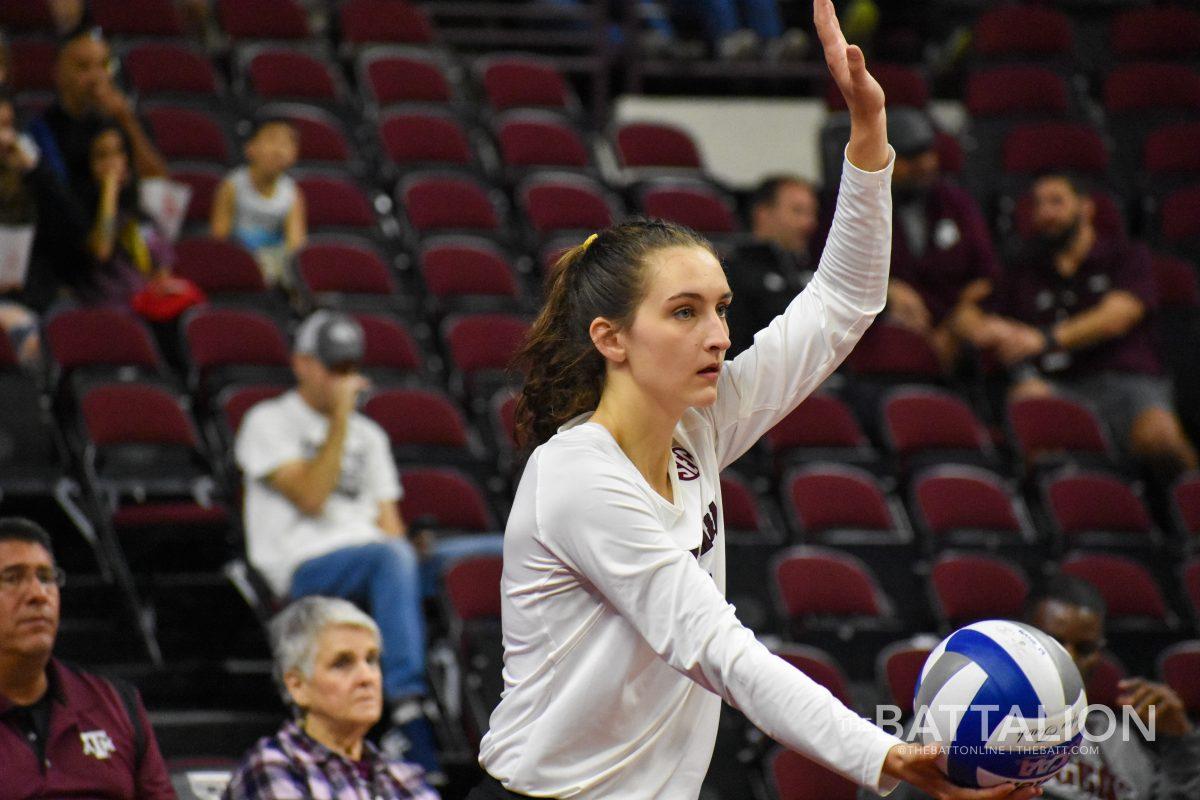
(490, 789)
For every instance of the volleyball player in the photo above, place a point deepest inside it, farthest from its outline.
(619, 644)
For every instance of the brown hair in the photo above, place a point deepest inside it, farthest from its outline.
(603, 277)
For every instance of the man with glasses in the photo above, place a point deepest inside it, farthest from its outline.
(1117, 766)
(63, 732)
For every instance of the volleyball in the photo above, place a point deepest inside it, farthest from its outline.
(1004, 700)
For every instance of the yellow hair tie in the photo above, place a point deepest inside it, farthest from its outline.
(588, 241)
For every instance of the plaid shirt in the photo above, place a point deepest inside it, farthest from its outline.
(291, 764)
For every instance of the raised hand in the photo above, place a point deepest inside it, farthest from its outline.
(868, 148)
(846, 62)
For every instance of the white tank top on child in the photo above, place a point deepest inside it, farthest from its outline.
(258, 220)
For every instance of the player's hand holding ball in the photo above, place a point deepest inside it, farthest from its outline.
(918, 764)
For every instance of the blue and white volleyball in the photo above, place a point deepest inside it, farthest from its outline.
(1004, 700)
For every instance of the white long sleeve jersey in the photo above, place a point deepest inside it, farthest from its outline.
(619, 644)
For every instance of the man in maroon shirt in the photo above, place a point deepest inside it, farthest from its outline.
(63, 732)
(1072, 317)
(943, 262)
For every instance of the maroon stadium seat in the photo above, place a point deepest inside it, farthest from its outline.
(31, 63)
(1154, 33)
(1185, 504)
(423, 138)
(227, 346)
(1095, 509)
(1179, 668)
(642, 145)
(1023, 31)
(137, 17)
(893, 352)
(423, 426)
(1138, 88)
(334, 200)
(1054, 428)
(100, 341)
(693, 203)
(466, 267)
(1017, 89)
(820, 428)
(448, 202)
(446, 498)
(923, 425)
(170, 68)
(187, 133)
(275, 73)
(898, 668)
(971, 587)
(967, 506)
(263, 19)
(794, 777)
(1036, 147)
(539, 139)
(822, 499)
(402, 76)
(387, 21)
(565, 202)
(390, 352)
(1128, 588)
(820, 666)
(522, 82)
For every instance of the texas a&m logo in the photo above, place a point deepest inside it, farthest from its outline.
(97, 744)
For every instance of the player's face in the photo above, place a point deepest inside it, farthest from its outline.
(792, 219)
(677, 342)
(28, 602)
(1078, 629)
(345, 691)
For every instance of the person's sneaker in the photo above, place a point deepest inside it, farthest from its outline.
(793, 45)
(741, 45)
(411, 739)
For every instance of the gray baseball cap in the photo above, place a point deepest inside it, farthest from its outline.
(333, 339)
(909, 131)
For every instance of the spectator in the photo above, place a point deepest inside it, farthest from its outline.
(766, 272)
(1073, 310)
(127, 247)
(327, 663)
(943, 263)
(63, 732)
(741, 29)
(259, 204)
(38, 259)
(1116, 765)
(321, 511)
(86, 99)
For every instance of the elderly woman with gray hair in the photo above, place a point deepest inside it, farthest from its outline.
(327, 663)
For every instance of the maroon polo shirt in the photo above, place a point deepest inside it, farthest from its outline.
(955, 250)
(89, 747)
(1033, 291)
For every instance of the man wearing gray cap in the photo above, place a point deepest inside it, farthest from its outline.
(320, 508)
(943, 262)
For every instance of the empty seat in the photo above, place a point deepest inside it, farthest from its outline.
(1049, 430)
(822, 428)
(523, 82)
(964, 506)
(346, 275)
(423, 426)
(390, 353)
(1179, 667)
(1023, 31)
(188, 133)
(1177, 283)
(263, 19)
(1179, 217)
(137, 17)
(1013, 90)
(968, 588)
(656, 145)
(100, 342)
(1170, 149)
(438, 202)
(794, 777)
(695, 204)
(422, 138)
(537, 139)
(32, 15)
(227, 346)
(1185, 505)
(390, 21)
(1129, 590)
(898, 668)
(170, 68)
(444, 498)
(1140, 88)
(925, 426)
(227, 273)
(1098, 510)
(564, 202)
(820, 667)
(278, 73)
(903, 85)
(400, 75)
(481, 348)
(468, 274)
(336, 201)
(891, 353)
(1157, 32)
(831, 502)
(740, 508)
(1036, 147)
(471, 592)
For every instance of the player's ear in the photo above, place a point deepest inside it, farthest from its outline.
(608, 340)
